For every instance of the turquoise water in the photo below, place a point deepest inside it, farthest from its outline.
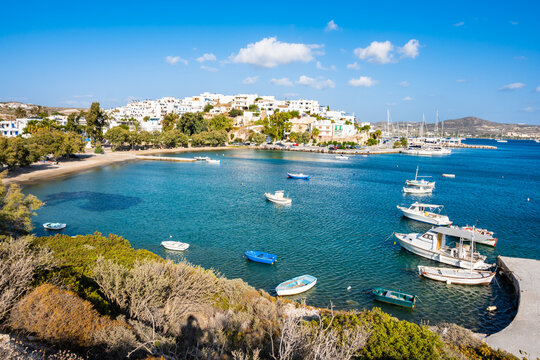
(338, 228)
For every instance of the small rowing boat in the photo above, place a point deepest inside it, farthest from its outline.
(296, 285)
(481, 236)
(342, 157)
(395, 297)
(298, 176)
(457, 276)
(278, 198)
(215, 162)
(449, 175)
(54, 226)
(174, 245)
(202, 158)
(261, 257)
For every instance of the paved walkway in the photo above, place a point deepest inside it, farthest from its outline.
(522, 336)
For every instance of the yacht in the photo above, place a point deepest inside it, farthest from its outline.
(420, 182)
(418, 190)
(427, 213)
(432, 245)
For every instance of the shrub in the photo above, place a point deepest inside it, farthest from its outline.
(59, 316)
(99, 150)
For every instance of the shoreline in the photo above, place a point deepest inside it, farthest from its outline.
(37, 172)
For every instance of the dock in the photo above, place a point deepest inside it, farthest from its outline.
(164, 158)
(469, 146)
(522, 336)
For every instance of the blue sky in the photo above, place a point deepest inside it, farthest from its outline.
(463, 58)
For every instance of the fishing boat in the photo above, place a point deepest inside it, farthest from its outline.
(296, 285)
(433, 245)
(54, 226)
(278, 198)
(201, 158)
(298, 176)
(449, 175)
(342, 157)
(261, 257)
(420, 182)
(395, 297)
(457, 276)
(427, 213)
(481, 236)
(418, 190)
(174, 245)
(214, 162)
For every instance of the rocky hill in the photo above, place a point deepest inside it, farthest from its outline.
(13, 109)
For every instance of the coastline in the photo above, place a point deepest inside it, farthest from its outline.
(86, 161)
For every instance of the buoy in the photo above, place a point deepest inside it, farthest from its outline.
(491, 308)
(170, 236)
(448, 282)
(349, 288)
(528, 199)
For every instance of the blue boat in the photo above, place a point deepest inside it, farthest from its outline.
(262, 257)
(399, 298)
(298, 176)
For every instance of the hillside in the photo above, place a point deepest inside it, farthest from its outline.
(472, 126)
(10, 110)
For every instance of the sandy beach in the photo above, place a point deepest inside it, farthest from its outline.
(86, 161)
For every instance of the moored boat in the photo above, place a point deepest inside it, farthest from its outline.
(278, 198)
(432, 245)
(54, 226)
(481, 236)
(296, 285)
(175, 245)
(457, 276)
(215, 162)
(395, 297)
(427, 213)
(342, 157)
(420, 182)
(203, 158)
(298, 176)
(418, 190)
(261, 257)
(449, 175)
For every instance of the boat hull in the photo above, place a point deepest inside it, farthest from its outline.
(414, 190)
(443, 221)
(283, 290)
(457, 276)
(395, 297)
(280, 201)
(54, 226)
(439, 257)
(175, 245)
(261, 257)
(300, 177)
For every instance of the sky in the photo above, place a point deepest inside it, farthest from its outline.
(462, 58)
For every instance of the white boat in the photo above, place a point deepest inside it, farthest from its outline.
(419, 190)
(457, 276)
(215, 162)
(432, 245)
(502, 141)
(424, 150)
(449, 175)
(342, 157)
(296, 285)
(174, 245)
(54, 226)
(420, 182)
(427, 213)
(278, 198)
(203, 158)
(481, 236)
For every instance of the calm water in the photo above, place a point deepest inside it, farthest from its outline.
(338, 228)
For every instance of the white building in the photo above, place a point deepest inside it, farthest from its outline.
(12, 128)
(335, 130)
(304, 106)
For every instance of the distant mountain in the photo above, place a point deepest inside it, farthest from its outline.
(8, 110)
(470, 126)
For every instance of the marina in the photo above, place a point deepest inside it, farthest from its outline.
(346, 210)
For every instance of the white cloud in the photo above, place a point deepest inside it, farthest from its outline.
(514, 22)
(290, 95)
(461, 23)
(529, 109)
(376, 52)
(331, 26)
(538, 89)
(512, 86)
(173, 60)
(269, 53)
(363, 81)
(521, 57)
(250, 80)
(281, 82)
(407, 98)
(461, 80)
(209, 68)
(207, 57)
(319, 83)
(404, 84)
(320, 67)
(353, 66)
(410, 49)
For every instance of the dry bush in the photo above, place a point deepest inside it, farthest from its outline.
(18, 265)
(162, 294)
(59, 316)
(456, 335)
(315, 340)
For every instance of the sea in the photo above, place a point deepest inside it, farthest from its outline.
(339, 227)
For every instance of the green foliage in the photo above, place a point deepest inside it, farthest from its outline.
(174, 138)
(95, 121)
(293, 136)
(56, 143)
(221, 122)
(315, 132)
(99, 149)
(235, 113)
(278, 124)
(372, 141)
(169, 121)
(15, 151)
(210, 138)
(253, 108)
(365, 128)
(304, 137)
(403, 142)
(20, 112)
(192, 123)
(258, 138)
(207, 108)
(73, 122)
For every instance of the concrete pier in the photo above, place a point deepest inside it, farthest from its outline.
(164, 158)
(522, 336)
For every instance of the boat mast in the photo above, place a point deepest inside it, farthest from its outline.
(436, 122)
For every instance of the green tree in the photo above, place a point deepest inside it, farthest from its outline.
(253, 108)
(174, 138)
(259, 138)
(403, 142)
(365, 128)
(117, 137)
(277, 125)
(95, 122)
(169, 121)
(192, 123)
(315, 132)
(293, 136)
(16, 210)
(235, 113)
(14, 152)
(221, 122)
(207, 108)
(146, 118)
(304, 137)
